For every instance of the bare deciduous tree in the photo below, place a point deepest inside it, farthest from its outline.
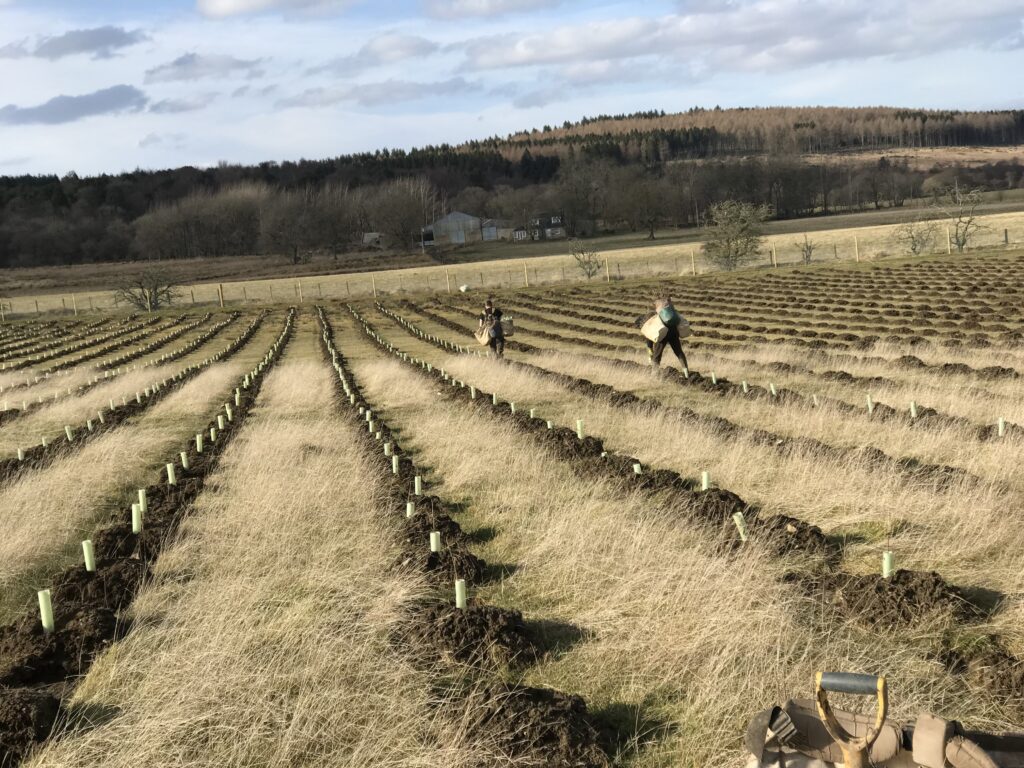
(149, 290)
(806, 249)
(586, 260)
(734, 232)
(960, 207)
(917, 235)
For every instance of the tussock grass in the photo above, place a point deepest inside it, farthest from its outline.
(671, 641)
(263, 638)
(46, 513)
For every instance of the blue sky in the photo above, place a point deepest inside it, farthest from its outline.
(111, 86)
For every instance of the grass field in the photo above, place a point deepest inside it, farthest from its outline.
(292, 598)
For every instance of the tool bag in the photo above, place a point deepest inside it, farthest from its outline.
(508, 327)
(793, 736)
(483, 336)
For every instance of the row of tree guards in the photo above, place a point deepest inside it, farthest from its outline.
(888, 556)
(141, 507)
(463, 279)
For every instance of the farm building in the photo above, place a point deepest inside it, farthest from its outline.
(547, 227)
(456, 228)
(496, 229)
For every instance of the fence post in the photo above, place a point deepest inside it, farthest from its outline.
(607, 272)
(373, 284)
(693, 263)
(526, 276)
(220, 294)
(856, 249)
(1006, 237)
(448, 280)
(949, 242)
(74, 304)
(775, 256)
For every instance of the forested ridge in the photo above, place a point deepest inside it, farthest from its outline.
(605, 172)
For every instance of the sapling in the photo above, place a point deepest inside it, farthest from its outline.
(88, 425)
(69, 432)
(1001, 427)
(705, 480)
(45, 610)
(771, 388)
(871, 405)
(387, 449)
(136, 519)
(143, 501)
(714, 379)
(494, 399)
(814, 399)
(184, 460)
(579, 428)
(89, 555)
(171, 477)
(746, 389)
(435, 541)
(417, 485)
(410, 508)
(533, 413)
(21, 454)
(551, 425)
(220, 422)
(199, 442)
(460, 594)
(394, 464)
(913, 409)
(638, 468)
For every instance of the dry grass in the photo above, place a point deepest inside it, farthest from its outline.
(44, 514)
(875, 509)
(263, 639)
(684, 640)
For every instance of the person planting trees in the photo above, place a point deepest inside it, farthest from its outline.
(664, 327)
(490, 324)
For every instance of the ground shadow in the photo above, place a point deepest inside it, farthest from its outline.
(625, 730)
(555, 638)
(483, 534)
(499, 571)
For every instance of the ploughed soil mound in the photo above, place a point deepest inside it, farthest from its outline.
(417, 529)
(538, 727)
(28, 656)
(444, 567)
(783, 534)
(901, 600)
(26, 718)
(480, 634)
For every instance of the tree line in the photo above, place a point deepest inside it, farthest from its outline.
(600, 180)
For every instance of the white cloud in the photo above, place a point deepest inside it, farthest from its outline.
(187, 104)
(224, 8)
(756, 34)
(194, 66)
(459, 9)
(383, 49)
(379, 94)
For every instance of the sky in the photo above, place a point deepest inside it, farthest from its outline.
(114, 85)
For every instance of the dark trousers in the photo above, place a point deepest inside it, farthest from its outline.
(497, 345)
(671, 340)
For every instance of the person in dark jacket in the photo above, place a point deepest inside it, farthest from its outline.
(671, 340)
(490, 320)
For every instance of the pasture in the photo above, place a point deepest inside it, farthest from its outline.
(330, 531)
